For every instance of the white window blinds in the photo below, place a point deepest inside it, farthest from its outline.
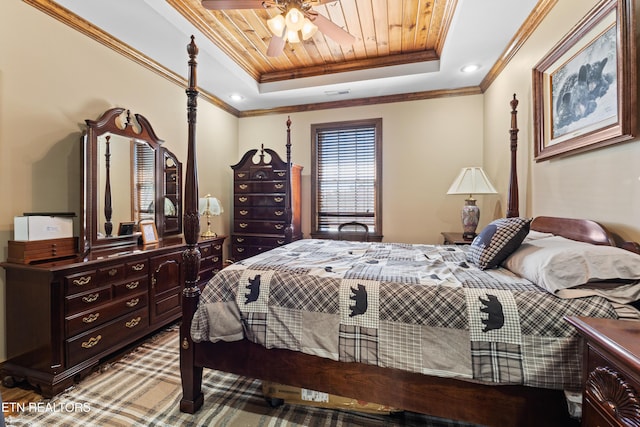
(346, 176)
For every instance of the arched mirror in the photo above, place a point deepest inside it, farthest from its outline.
(128, 177)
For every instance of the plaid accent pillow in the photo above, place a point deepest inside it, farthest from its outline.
(497, 241)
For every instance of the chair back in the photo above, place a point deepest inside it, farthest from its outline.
(355, 231)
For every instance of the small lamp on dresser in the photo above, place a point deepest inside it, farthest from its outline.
(471, 180)
(209, 206)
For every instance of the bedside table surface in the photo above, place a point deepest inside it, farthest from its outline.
(620, 337)
(455, 238)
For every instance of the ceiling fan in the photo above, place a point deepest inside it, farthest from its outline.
(296, 22)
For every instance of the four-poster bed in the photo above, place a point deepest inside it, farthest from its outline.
(465, 400)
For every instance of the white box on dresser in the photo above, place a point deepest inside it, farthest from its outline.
(42, 227)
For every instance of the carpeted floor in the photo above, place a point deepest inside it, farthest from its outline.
(143, 389)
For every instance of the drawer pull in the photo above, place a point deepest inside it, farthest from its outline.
(241, 175)
(90, 298)
(242, 199)
(91, 318)
(279, 213)
(243, 225)
(278, 226)
(133, 322)
(278, 199)
(217, 247)
(280, 173)
(206, 250)
(243, 186)
(215, 259)
(133, 302)
(280, 242)
(137, 267)
(240, 249)
(240, 239)
(92, 342)
(243, 212)
(81, 281)
(278, 186)
(113, 272)
(132, 285)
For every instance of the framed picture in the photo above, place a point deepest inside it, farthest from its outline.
(126, 228)
(148, 231)
(585, 89)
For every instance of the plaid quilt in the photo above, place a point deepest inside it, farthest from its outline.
(420, 308)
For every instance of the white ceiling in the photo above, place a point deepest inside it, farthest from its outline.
(479, 34)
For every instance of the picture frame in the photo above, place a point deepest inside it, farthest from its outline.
(585, 88)
(148, 231)
(126, 228)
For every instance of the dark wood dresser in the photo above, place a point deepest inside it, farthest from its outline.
(262, 194)
(64, 316)
(611, 371)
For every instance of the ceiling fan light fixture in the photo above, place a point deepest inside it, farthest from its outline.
(308, 29)
(277, 25)
(292, 36)
(294, 19)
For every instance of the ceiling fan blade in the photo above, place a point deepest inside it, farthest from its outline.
(276, 46)
(231, 4)
(336, 33)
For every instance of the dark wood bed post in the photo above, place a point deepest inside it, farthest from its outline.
(513, 202)
(191, 374)
(288, 231)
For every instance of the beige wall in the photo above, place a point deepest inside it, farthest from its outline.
(603, 185)
(54, 78)
(425, 144)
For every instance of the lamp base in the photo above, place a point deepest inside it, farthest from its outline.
(470, 218)
(208, 234)
(469, 236)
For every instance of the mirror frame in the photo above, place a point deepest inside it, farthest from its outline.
(140, 130)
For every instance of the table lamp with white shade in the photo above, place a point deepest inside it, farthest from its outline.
(209, 206)
(471, 180)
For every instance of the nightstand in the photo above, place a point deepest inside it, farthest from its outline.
(451, 238)
(611, 371)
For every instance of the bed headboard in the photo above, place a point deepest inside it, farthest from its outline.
(583, 230)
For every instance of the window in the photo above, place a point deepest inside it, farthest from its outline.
(346, 175)
(144, 166)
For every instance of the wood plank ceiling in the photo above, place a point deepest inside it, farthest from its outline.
(388, 32)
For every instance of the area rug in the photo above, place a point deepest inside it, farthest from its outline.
(143, 389)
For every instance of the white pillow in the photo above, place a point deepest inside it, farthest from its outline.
(556, 263)
(535, 235)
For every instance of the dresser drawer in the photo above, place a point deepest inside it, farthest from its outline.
(98, 315)
(137, 268)
(130, 287)
(260, 187)
(249, 226)
(242, 200)
(81, 282)
(248, 240)
(111, 273)
(611, 391)
(88, 300)
(105, 337)
(251, 212)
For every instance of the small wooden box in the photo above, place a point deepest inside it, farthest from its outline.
(26, 252)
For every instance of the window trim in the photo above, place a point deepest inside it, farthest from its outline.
(315, 128)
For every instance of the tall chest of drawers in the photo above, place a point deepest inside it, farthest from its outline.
(266, 200)
(63, 317)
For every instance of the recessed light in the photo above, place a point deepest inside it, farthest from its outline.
(236, 97)
(470, 68)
